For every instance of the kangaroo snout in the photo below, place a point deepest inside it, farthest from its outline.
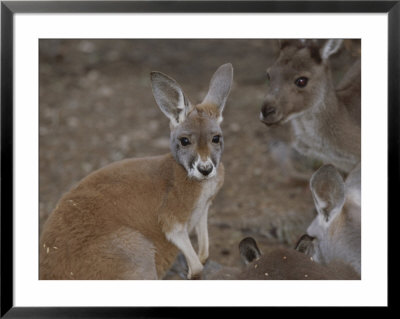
(269, 113)
(205, 168)
(267, 110)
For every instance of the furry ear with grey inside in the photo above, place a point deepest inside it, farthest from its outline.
(305, 245)
(328, 190)
(220, 85)
(170, 97)
(330, 47)
(249, 250)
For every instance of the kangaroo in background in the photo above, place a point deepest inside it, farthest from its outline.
(335, 233)
(331, 249)
(129, 219)
(326, 121)
(282, 264)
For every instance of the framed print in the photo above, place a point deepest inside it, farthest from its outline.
(117, 117)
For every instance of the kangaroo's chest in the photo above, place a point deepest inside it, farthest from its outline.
(307, 134)
(311, 139)
(208, 191)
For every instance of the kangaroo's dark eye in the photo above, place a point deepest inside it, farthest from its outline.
(301, 82)
(184, 141)
(268, 77)
(216, 139)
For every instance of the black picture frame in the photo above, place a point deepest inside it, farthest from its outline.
(9, 8)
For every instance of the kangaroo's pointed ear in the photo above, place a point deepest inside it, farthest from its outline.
(297, 43)
(170, 97)
(220, 86)
(330, 47)
(328, 190)
(249, 250)
(305, 245)
(283, 43)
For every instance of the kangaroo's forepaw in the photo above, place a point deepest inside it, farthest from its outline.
(203, 256)
(204, 260)
(195, 275)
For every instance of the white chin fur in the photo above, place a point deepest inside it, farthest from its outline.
(194, 173)
(292, 116)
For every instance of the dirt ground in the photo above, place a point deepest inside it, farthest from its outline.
(96, 107)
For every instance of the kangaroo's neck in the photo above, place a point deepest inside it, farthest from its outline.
(327, 103)
(333, 121)
(327, 131)
(178, 175)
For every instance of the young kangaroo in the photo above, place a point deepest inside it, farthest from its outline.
(335, 233)
(129, 219)
(282, 264)
(326, 121)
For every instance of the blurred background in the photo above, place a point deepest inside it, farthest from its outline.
(96, 107)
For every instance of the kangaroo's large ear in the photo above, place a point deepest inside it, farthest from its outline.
(220, 86)
(297, 43)
(283, 43)
(249, 250)
(328, 190)
(330, 47)
(170, 97)
(305, 245)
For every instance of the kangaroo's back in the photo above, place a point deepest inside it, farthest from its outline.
(282, 264)
(289, 264)
(119, 203)
(349, 92)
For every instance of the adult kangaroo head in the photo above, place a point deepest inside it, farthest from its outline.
(300, 79)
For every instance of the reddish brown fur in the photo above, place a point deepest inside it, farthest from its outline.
(287, 264)
(209, 110)
(200, 116)
(128, 219)
(105, 206)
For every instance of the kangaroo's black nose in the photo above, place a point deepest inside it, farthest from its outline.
(205, 170)
(267, 110)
